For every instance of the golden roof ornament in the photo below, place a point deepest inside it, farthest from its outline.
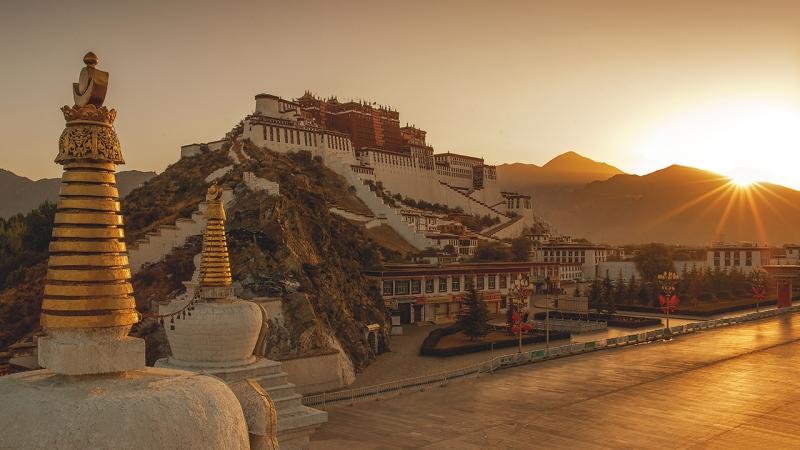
(215, 267)
(88, 277)
(89, 132)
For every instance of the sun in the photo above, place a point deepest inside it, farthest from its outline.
(746, 141)
(743, 181)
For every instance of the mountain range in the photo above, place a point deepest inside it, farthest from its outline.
(677, 204)
(584, 198)
(20, 195)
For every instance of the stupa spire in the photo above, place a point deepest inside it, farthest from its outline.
(215, 267)
(88, 278)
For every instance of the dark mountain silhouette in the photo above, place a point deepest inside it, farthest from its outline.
(567, 170)
(20, 195)
(675, 205)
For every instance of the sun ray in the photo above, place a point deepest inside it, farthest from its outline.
(757, 219)
(725, 213)
(675, 211)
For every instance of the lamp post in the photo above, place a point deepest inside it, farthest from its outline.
(519, 293)
(668, 299)
(758, 281)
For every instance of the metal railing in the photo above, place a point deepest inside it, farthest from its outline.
(392, 388)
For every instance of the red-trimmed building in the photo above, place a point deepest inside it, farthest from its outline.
(426, 293)
(368, 125)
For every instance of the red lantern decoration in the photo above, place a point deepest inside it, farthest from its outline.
(668, 305)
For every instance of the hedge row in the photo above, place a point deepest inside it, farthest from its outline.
(428, 347)
(689, 312)
(613, 320)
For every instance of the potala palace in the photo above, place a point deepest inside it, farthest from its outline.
(365, 143)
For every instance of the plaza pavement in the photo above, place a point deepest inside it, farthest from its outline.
(735, 387)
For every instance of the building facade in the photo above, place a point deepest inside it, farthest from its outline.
(744, 256)
(368, 138)
(424, 293)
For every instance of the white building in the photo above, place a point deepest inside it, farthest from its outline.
(414, 171)
(744, 256)
(589, 256)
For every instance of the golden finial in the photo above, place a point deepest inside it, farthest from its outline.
(215, 267)
(88, 277)
(89, 133)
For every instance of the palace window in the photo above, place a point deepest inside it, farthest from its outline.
(479, 282)
(285, 135)
(442, 284)
(429, 285)
(388, 287)
(455, 284)
(492, 281)
(503, 281)
(271, 134)
(401, 287)
(415, 286)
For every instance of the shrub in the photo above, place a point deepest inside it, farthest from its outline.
(705, 297)
(723, 295)
(739, 293)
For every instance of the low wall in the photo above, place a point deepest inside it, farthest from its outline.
(313, 374)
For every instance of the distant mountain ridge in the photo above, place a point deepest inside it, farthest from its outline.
(569, 169)
(677, 204)
(20, 195)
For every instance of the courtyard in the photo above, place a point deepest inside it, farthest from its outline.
(735, 387)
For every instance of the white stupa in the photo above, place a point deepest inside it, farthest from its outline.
(95, 391)
(218, 333)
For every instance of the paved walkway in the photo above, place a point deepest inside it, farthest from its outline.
(734, 387)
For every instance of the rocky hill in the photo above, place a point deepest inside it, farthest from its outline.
(679, 205)
(20, 195)
(287, 246)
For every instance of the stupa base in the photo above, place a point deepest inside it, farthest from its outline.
(90, 351)
(146, 408)
(296, 422)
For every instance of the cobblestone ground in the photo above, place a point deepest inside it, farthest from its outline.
(734, 387)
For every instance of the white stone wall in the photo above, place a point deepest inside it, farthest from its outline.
(615, 269)
(260, 184)
(315, 374)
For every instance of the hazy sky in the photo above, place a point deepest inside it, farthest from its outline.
(638, 84)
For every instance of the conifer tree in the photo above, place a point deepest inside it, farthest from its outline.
(475, 320)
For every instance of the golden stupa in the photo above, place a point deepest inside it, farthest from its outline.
(215, 266)
(88, 278)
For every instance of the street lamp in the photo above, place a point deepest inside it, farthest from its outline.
(758, 280)
(519, 293)
(668, 299)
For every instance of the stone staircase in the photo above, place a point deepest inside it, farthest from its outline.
(293, 416)
(391, 216)
(478, 205)
(159, 243)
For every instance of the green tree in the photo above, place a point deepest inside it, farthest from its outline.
(449, 249)
(633, 288)
(644, 293)
(475, 319)
(491, 251)
(607, 296)
(652, 260)
(520, 249)
(620, 292)
(596, 295)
